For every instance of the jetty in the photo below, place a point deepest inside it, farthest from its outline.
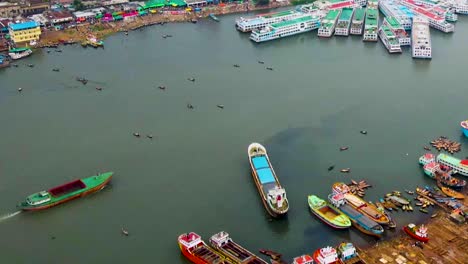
(344, 22)
(357, 23)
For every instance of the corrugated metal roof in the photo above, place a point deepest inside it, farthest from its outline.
(25, 25)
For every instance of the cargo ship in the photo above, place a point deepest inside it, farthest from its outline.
(358, 21)
(389, 40)
(273, 195)
(197, 251)
(417, 233)
(360, 205)
(421, 46)
(457, 165)
(398, 31)
(326, 255)
(327, 27)
(263, 20)
(291, 27)
(359, 220)
(64, 193)
(348, 255)
(224, 244)
(328, 214)
(344, 22)
(370, 25)
(464, 127)
(19, 53)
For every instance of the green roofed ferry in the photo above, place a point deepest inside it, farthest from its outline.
(286, 28)
(64, 193)
(272, 193)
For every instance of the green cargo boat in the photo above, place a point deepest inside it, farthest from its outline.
(66, 192)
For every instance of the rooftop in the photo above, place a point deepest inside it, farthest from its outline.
(359, 14)
(278, 14)
(393, 22)
(24, 25)
(371, 17)
(346, 14)
(293, 21)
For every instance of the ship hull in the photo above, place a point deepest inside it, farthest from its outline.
(382, 220)
(365, 231)
(465, 132)
(328, 221)
(82, 194)
(413, 235)
(189, 256)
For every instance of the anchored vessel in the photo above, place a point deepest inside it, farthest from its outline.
(397, 30)
(328, 214)
(272, 193)
(464, 127)
(19, 53)
(360, 221)
(344, 22)
(458, 166)
(402, 13)
(362, 206)
(64, 193)
(389, 40)
(326, 255)
(348, 254)
(417, 233)
(373, 4)
(224, 244)
(435, 21)
(261, 21)
(197, 251)
(304, 259)
(358, 21)
(287, 28)
(370, 26)
(421, 47)
(327, 27)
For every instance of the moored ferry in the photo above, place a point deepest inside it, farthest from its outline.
(421, 46)
(461, 7)
(291, 27)
(358, 220)
(64, 193)
(327, 213)
(328, 24)
(273, 195)
(358, 21)
(263, 20)
(464, 127)
(304, 259)
(359, 204)
(370, 26)
(19, 53)
(373, 4)
(389, 40)
(398, 31)
(326, 255)
(224, 244)
(435, 21)
(344, 22)
(197, 251)
(400, 12)
(457, 165)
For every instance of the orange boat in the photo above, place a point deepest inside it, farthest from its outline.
(451, 193)
(197, 251)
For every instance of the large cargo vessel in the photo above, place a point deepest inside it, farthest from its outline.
(64, 193)
(224, 244)
(197, 251)
(344, 22)
(371, 26)
(328, 24)
(328, 214)
(421, 46)
(358, 21)
(287, 28)
(263, 20)
(273, 195)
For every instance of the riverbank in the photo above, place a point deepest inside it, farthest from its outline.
(104, 29)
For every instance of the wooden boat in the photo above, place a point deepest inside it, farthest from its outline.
(212, 16)
(273, 195)
(423, 210)
(416, 233)
(327, 213)
(345, 170)
(452, 193)
(398, 200)
(344, 148)
(359, 204)
(326, 255)
(224, 244)
(447, 180)
(348, 255)
(197, 251)
(64, 193)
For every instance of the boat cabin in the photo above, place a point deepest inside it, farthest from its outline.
(67, 188)
(337, 199)
(220, 239)
(327, 255)
(190, 240)
(347, 251)
(38, 198)
(304, 259)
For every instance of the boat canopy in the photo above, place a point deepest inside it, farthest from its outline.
(265, 175)
(19, 49)
(260, 162)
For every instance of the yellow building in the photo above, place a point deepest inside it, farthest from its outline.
(26, 31)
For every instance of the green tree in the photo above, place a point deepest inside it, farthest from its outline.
(78, 5)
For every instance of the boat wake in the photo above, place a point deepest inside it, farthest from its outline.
(8, 216)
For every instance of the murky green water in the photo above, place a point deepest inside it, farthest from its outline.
(194, 174)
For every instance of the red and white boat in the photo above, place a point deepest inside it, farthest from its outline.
(417, 233)
(304, 259)
(326, 255)
(197, 251)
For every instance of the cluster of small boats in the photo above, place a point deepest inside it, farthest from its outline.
(344, 253)
(446, 144)
(93, 42)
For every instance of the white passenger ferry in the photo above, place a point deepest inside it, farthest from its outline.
(421, 48)
(389, 39)
(328, 24)
(370, 26)
(398, 31)
(287, 28)
(261, 21)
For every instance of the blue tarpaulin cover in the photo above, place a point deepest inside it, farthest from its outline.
(260, 162)
(265, 175)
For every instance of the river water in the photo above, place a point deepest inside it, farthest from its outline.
(194, 174)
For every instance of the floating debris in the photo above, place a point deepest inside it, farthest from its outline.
(446, 144)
